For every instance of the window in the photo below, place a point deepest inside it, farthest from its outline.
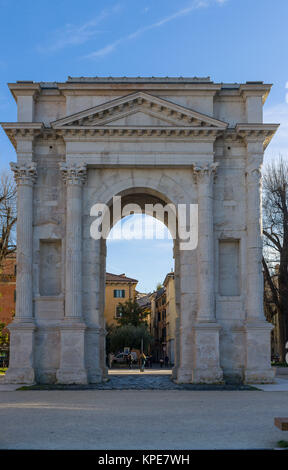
(118, 293)
(118, 312)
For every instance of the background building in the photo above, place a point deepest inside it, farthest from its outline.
(8, 289)
(169, 285)
(119, 289)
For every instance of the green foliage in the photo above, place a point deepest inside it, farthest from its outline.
(4, 336)
(129, 336)
(159, 286)
(283, 444)
(131, 314)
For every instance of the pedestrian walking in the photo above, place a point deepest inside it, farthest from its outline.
(130, 360)
(142, 362)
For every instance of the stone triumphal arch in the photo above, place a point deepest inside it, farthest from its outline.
(170, 140)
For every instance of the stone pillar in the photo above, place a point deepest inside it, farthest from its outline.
(91, 305)
(258, 344)
(186, 283)
(206, 366)
(72, 362)
(21, 364)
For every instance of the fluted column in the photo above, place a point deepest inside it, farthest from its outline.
(21, 364)
(206, 298)
(74, 177)
(258, 330)
(255, 310)
(206, 329)
(25, 176)
(72, 362)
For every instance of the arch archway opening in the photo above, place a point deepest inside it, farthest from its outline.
(140, 269)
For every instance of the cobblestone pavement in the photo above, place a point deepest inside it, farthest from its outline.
(138, 382)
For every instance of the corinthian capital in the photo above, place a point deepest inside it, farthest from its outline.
(74, 173)
(205, 173)
(24, 173)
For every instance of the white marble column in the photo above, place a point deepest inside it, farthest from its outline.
(72, 364)
(206, 297)
(254, 305)
(206, 329)
(21, 364)
(74, 177)
(258, 353)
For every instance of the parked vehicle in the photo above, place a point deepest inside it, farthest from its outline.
(122, 358)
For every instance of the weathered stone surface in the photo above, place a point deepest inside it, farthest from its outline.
(179, 141)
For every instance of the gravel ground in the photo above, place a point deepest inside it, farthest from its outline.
(142, 419)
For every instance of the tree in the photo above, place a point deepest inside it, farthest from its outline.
(275, 253)
(4, 337)
(129, 336)
(159, 286)
(7, 216)
(131, 314)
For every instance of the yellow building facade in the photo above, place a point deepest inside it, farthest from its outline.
(171, 315)
(119, 289)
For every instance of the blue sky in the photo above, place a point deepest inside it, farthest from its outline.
(229, 40)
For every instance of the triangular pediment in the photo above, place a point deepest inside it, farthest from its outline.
(138, 110)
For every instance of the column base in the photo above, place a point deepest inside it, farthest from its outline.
(92, 354)
(16, 375)
(182, 375)
(21, 363)
(45, 376)
(95, 376)
(71, 376)
(206, 366)
(72, 364)
(213, 375)
(259, 376)
(174, 373)
(258, 352)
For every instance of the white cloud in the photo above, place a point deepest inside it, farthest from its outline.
(196, 5)
(279, 144)
(73, 35)
(137, 227)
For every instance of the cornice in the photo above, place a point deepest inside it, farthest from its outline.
(255, 89)
(245, 132)
(24, 88)
(22, 130)
(257, 132)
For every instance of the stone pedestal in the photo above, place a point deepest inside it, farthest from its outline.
(72, 367)
(206, 368)
(21, 362)
(258, 353)
(92, 348)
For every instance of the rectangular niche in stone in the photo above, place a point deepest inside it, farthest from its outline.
(229, 267)
(50, 267)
